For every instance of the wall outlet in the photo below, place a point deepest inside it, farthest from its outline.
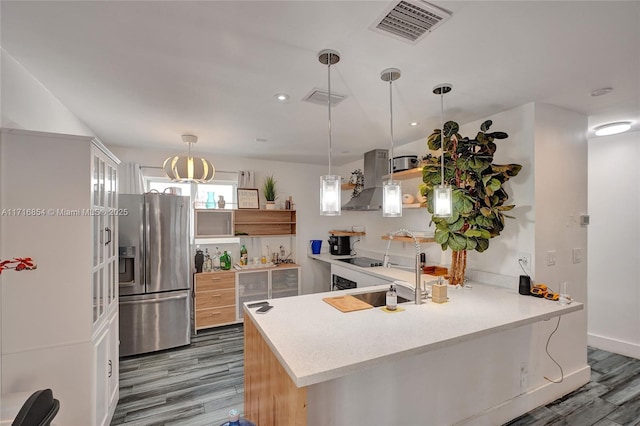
(524, 376)
(551, 258)
(577, 255)
(525, 260)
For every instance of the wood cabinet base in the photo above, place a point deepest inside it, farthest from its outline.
(270, 396)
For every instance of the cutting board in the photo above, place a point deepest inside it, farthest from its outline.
(347, 303)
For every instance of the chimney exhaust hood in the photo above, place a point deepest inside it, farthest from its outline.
(376, 166)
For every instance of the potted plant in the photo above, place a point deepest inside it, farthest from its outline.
(478, 191)
(269, 189)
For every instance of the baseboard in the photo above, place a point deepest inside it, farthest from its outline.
(612, 345)
(529, 400)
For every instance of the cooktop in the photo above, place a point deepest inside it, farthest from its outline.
(363, 262)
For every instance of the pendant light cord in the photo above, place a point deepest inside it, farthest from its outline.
(329, 104)
(442, 136)
(391, 125)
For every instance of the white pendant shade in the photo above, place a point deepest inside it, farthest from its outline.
(442, 201)
(391, 199)
(184, 168)
(187, 168)
(330, 193)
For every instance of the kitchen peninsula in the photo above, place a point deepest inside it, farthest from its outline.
(438, 364)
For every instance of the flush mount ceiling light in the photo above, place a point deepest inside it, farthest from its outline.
(413, 124)
(442, 194)
(613, 128)
(391, 190)
(329, 184)
(187, 168)
(281, 97)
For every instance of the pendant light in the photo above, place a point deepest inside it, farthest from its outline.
(442, 194)
(187, 168)
(329, 184)
(391, 190)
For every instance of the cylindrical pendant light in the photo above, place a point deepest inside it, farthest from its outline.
(391, 190)
(330, 185)
(187, 168)
(442, 194)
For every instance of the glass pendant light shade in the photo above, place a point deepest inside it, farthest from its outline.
(391, 190)
(442, 201)
(442, 194)
(330, 185)
(391, 199)
(187, 168)
(330, 192)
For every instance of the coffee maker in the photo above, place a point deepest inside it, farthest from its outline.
(339, 245)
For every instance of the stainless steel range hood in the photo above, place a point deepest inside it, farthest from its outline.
(376, 165)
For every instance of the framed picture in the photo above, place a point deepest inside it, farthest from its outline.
(248, 198)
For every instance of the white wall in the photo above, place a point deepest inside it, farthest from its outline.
(301, 181)
(614, 251)
(28, 105)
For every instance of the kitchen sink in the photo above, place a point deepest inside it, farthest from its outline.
(377, 298)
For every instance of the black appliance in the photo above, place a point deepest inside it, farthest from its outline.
(339, 245)
(341, 283)
(363, 262)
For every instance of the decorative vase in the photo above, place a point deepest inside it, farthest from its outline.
(271, 205)
(458, 267)
(221, 202)
(211, 200)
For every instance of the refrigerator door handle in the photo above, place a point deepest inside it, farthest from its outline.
(146, 251)
(163, 299)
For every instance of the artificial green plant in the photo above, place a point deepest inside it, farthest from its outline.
(269, 188)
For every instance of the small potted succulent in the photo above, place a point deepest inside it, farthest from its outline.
(269, 189)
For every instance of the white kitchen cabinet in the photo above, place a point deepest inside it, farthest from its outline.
(60, 321)
(272, 283)
(209, 223)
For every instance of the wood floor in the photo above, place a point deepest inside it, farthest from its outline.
(200, 383)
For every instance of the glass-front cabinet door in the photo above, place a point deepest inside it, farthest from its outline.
(251, 286)
(103, 217)
(285, 282)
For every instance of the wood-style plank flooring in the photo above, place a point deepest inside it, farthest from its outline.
(193, 385)
(198, 384)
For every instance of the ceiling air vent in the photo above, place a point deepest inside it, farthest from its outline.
(319, 96)
(411, 21)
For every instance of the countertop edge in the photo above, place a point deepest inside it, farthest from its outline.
(333, 373)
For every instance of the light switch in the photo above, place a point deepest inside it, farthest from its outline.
(551, 258)
(577, 255)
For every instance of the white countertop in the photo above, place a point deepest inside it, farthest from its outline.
(315, 342)
(405, 275)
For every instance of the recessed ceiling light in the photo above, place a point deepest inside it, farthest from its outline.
(613, 128)
(282, 97)
(602, 91)
(413, 124)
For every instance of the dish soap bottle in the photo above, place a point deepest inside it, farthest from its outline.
(392, 298)
(235, 420)
(244, 257)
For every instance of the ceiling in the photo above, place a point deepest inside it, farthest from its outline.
(142, 73)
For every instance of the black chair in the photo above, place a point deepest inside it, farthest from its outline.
(39, 409)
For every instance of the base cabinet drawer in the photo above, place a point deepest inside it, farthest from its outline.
(215, 281)
(213, 299)
(215, 316)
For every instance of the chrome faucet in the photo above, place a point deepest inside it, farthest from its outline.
(385, 261)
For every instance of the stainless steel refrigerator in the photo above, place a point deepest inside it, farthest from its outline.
(155, 302)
